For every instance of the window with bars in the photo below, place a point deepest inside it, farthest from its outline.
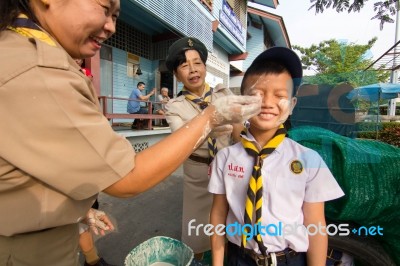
(129, 39)
(239, 7)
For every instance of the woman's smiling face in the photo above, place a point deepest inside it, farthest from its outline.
(275, 91)
(192, 73)
(79, 26)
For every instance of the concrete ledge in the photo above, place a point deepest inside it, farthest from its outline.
(137, 133)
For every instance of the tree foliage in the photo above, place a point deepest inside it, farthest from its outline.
(335, 62)
(384, 9)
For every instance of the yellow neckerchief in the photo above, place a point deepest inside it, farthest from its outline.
(202, 102)
(255, 190)
(26, 27)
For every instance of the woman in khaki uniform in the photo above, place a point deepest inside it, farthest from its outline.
(57, 150)
(186, 59)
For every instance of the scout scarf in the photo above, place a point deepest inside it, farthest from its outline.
(203, 102)
(255, 191)
(26, 27)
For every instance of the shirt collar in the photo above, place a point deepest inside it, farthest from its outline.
(251, 138)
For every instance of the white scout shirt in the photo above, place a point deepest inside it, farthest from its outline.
(292, 174)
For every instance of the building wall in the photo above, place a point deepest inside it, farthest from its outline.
(255, 45)
(185, 16)
(218, 64)
(141, 140)
(123, 84)
(129, 39)
(239, 8)
(190, 19)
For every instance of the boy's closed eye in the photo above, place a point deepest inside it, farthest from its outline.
(253, 92)
(282, 95)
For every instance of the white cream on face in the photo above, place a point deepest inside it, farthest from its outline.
(284, 105)
(275, 92)
(255, 83)
(236, 109)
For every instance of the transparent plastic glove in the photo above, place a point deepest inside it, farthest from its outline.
(235, 109)
(98, 221)
(221, 131)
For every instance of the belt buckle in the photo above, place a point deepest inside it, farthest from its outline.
(262, 260)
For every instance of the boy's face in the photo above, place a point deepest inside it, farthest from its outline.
(277, 104)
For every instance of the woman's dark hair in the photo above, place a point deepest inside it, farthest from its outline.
(10, 9)
(181, 58)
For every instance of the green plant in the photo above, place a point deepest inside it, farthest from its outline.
(366, 135)
(390, 135)
(388, 132)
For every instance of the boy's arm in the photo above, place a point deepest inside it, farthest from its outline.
(317, 250)
(219, 211)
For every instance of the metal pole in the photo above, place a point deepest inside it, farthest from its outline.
(377, 115)
(394, 76)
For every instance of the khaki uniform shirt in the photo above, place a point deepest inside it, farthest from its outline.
(180, 111)
(57, 150)
(197, 200)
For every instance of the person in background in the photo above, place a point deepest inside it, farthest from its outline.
(134, 107)
(85, 70)
(267, 179)
(163, 98)
(86, 242)
(58, 151)
(96, 221)
(187, 60)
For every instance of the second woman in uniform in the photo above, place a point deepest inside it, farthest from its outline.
(187, 60)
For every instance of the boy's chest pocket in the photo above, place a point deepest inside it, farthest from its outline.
(291, 184)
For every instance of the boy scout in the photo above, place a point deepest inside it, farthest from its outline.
(267, 180)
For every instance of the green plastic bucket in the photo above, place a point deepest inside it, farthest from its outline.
(160, 251)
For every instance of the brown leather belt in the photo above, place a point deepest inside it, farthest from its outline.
(265, 260)
(200, 159)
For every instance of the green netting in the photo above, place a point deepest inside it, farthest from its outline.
(368, 171)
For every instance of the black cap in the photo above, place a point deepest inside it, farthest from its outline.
(286, 57)
(183, 44)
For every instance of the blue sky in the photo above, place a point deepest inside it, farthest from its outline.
(306, 28)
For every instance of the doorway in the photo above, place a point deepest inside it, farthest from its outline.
(167, 80)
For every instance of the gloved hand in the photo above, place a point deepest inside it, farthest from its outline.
(98, 221)
(221, 131)
(235, 109)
